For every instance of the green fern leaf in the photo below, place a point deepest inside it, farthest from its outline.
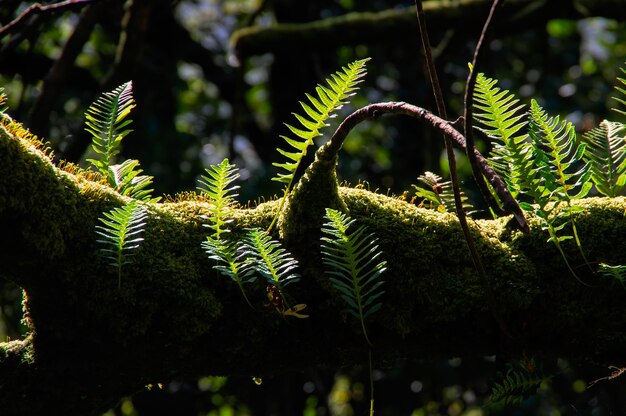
(121, 230)
(438, 193)
(270, 259)
(355, 266)
(341, 86)
(558, 151)
(3, 101)
(126, 179)
(606, 153)
(518, 384)
(230, 262)
(216, 184)
(500, 116)
(106, 120)
(622, 91)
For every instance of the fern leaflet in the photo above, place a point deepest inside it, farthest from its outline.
(271, 260)
(517, 385)
(606, 154)
(121, 230)
(3, 101)
(622, 90)
(126, 179)
(341, 85)
(355, 266)
(106, 120)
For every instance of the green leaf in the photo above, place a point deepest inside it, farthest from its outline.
(120, 230)
(126, 179)
(105, 121)
(322, 107)
(353, 262)
(217, 185)
(606, 153)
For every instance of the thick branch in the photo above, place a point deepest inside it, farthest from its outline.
(390, 25)
(91, 343)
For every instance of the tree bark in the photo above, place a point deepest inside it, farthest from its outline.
(91, 343)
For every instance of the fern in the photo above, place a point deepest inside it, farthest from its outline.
(3, 101)
(622, 91)
(328, 100)
(606, 153)
(229, 258)
(355, 266)
(516, 386)
(230, 262)
(501, 118)
(216, 184)
(438, 193)
(106, 120)
(272, 261)
(126, 179)
(121, 230)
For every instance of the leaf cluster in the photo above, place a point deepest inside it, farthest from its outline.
(437, 193)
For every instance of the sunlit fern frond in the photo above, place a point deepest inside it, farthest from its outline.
(566, 175)
(438, 193)
(328, 99)
(217, 185)
(354, 264)
(270, 259)
(3, 101)
(615, 273)
(606, 152)
(106, 121)
(230, 262)
(120, 230)
(621, 88)
(500, 116)
(126, 178)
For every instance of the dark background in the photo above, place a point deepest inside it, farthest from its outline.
(195, 107)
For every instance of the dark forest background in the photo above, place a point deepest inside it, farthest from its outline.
(203, 95)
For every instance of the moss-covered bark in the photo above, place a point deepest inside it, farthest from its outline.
(391, 25)
(91, 343)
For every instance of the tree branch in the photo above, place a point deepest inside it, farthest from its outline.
(91, 343)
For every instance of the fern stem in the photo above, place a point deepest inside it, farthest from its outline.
(371, 370)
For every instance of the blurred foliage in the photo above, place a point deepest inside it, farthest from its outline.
(194, 109)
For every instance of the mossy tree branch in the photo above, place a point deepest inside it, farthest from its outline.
(91, 343)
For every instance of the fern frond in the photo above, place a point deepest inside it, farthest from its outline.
(606, 153)
(3, 101)
(615, 273)
(438, 193)
(622, 91)
(216, 184)
(230, 262)
(106, 120)
(355, 265)
(120, 233)
(126, 179)
(557, 149)
(270, 259)
(321, 107)
(518, 383)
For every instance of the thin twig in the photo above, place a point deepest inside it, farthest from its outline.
(468, 116)
(37, 9)
(458, 203)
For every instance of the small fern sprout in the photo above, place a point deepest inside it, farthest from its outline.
(341, 86)
(126, 178)
(354, 264)
(438, 193)
(621, 88)
(106, 121)
(120, 231)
